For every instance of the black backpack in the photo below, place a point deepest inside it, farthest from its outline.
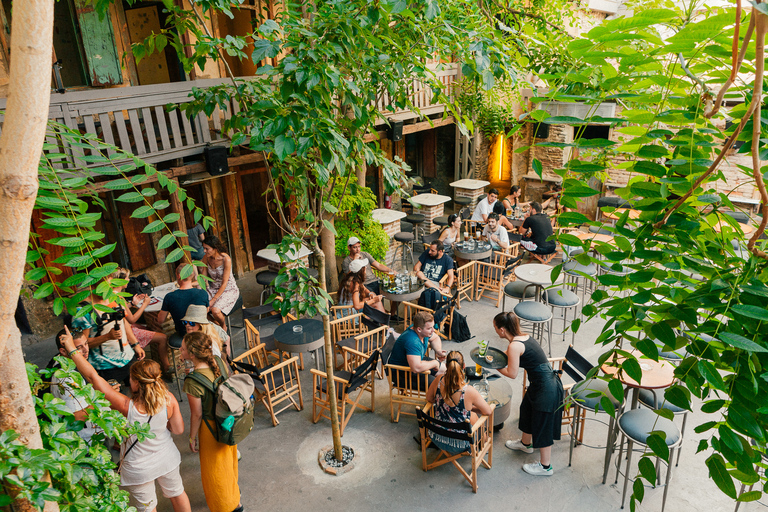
(139, 284)
(459, 327)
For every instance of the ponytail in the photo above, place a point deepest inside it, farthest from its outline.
(151, 392)
(199, 345)
(454, 372)
(509, 322)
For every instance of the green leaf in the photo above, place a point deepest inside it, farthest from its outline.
(175, 255)
(632, 368)
(103, 251)
(36, 274)
(43, 291)
(143, 212)
(153, 226)
(130, 197)
(711, 375)
(742, 420)
(719, 474)
(647, 469)
(652, 151)
(739, 341)
(657, 443)
(284, 146)
(165, 242)
(664, 333)
(733, 441)
(537, 167)
(755, 312)
(171, 218)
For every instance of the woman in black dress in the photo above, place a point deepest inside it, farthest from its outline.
(541, 409)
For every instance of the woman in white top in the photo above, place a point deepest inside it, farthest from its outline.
(450, 234)
(152, 460)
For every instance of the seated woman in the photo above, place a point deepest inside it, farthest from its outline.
(143, 335)
(512, 201)
(222, 290)
(353, 291)
(450, 234)
(455, 401)
(196, 320)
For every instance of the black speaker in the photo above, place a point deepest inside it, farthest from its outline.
(395, 132)
(541, 131)
(216, 160)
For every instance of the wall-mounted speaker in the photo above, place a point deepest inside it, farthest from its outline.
(216, 160)
(395, 132)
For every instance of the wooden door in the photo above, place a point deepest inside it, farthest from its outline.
(142, 22)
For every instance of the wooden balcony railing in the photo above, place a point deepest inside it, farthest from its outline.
(135, 119)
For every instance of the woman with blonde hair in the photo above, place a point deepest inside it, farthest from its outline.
(455, 401)
(196, 320)
(218, 461)
(152, 460)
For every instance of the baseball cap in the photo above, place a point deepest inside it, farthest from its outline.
(353, 240)
(356, 265)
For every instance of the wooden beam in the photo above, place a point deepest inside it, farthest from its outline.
(236, 239)
(412, 128)
(244, 218)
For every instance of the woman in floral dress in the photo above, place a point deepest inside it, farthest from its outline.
(222, 290)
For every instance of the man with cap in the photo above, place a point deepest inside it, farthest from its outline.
(355, 253)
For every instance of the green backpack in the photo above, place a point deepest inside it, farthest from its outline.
(232, 404)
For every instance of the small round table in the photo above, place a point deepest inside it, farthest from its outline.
(403, 293)
(310, 339)
(656, 374)
(615, 215)
(500, 393)
(537, 274)
(472, 251)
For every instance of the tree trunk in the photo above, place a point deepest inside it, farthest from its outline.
(329, 357)
(328, 245)
(361, 173)
(21, 144)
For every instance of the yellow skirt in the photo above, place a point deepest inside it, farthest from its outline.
(218, 470)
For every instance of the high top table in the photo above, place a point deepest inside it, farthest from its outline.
(431, 206)
(537, 274)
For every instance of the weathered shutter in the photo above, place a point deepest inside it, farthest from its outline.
(101, 57)
(141, 250)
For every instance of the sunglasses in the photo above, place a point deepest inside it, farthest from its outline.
(187, 322)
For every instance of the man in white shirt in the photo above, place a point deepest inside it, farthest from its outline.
(485, 206)
(496, 234)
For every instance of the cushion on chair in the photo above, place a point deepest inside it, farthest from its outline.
(406, 227)
(639, 423)
(582, 393)
(441, 221)
(533, 311)
(463, 201)
(175, 341)
(404, 237)
(609, 268)
(265, 278)
(560, 297)
(415, 218)
(669, 356)
(515, 290)
(646, 397)
(573, 267)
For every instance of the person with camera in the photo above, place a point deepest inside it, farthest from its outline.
(113, 347)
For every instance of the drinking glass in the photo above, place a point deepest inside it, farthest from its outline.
(483, 347)
(478, 370)
(509, 212)
(466, 236)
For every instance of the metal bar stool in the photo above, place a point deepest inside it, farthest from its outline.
(460, 203)
(577, 273)
(266, 279)
(562, 299)
(586, 396)
(406, 241)
(519, 290)
(537, 314)
(417, 219)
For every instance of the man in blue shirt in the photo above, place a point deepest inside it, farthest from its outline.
(177, 302)
(410, 350)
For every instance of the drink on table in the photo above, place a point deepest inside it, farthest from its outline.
(478, 370)
(483, 347)
(466, 236)
(509, 212)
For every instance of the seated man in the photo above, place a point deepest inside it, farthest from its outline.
(431, 267)
(485, 206)
(61, 388)
(356, 253)
(177, 302)
(410, 350)
(496, 234)
(535, 230)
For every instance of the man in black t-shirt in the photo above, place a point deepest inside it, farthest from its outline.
(431, 267)
(536, 228)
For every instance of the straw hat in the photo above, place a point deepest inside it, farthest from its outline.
(196, 313)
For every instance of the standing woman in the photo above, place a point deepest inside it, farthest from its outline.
(218, 461)
(152, 460)
(222, 291)
(541, 410)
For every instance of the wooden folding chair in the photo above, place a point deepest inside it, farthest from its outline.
(365, 343)
(253, 339)
(402, 390)
(465, 283)
(275, 384)
(490, 276)
(479, 438)
(343, 328)
(359, 380)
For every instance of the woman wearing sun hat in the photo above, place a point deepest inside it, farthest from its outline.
(196, 319)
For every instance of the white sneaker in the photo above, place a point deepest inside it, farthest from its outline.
(536, 469)
(518, 445)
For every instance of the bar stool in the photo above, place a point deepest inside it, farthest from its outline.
(575, 271)
(416, 219)
(440, 221)
(636, 427)
(537, 314)
(648, 398)
(406, 240)
(266, 279)
(586, 397)
(461, 202)
(519, 290)
(565, 300)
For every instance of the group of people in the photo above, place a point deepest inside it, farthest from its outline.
(456, 401)
(107, 347)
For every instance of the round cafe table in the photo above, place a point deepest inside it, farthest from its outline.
(403, 293)
(656, 374)
(745, 228)
(595, 237)
(309, 339)
(615, 215)
(537, 274)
